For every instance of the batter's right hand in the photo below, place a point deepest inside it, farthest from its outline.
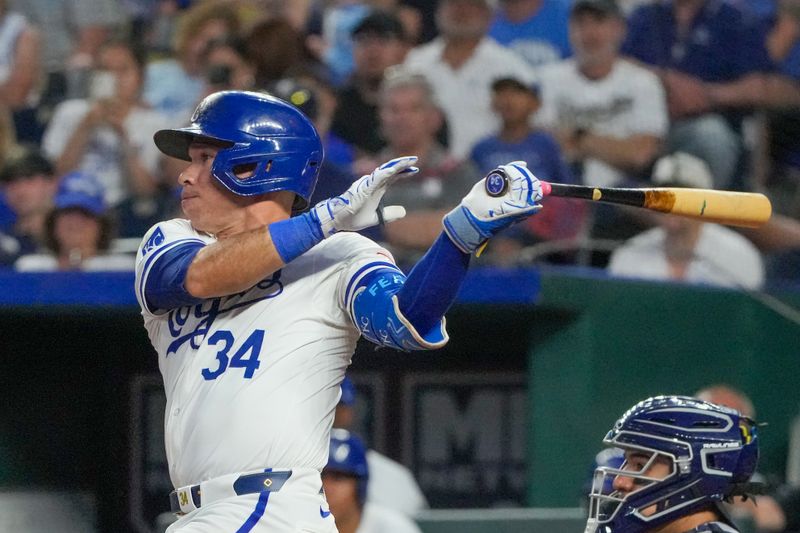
(359, 206)
(508, 194)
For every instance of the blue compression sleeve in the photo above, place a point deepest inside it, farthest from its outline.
(295, 236)
(433, 284)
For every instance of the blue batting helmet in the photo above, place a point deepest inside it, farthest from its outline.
(259, 134)
(711, 451)
(348, 455)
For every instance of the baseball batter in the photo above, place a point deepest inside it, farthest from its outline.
(254, 306)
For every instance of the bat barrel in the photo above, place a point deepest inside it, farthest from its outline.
(723, 207)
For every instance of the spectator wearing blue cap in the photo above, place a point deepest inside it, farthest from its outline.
(345, 480)
(391, 484)
(78, 231)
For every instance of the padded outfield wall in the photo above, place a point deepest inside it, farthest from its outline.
(510, 413)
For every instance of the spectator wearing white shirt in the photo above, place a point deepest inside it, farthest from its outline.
(461, 65)
(688, 250)
(609, 115)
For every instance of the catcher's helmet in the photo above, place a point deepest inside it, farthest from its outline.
(711, 450)
(259, 133)
(348, 455)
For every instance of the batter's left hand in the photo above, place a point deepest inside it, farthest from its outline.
(359, 206)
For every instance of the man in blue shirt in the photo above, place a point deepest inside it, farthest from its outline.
(715, 68)
(535, 29)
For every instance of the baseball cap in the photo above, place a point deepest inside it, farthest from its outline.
(380, 23)
(300, 95)
(681, 169)
(509, 82)
(80, 190)
(605, 7)
(31, 163)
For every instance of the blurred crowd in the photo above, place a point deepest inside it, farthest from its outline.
(625, 93)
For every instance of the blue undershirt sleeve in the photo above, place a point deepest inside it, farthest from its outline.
(433, 284)
(165, 284)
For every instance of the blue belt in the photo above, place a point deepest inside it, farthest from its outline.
(186, 499)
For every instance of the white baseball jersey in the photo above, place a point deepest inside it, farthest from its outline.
(252, 379)
(629, 101)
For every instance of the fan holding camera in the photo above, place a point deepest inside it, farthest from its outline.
(109, 134)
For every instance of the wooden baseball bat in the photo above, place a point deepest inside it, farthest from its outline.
(744, 209)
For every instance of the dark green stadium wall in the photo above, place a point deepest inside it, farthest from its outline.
(620, 342)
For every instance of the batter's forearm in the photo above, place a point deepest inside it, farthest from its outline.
(233, 265)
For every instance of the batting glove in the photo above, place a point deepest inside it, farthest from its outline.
(508, 194)
(359, 206)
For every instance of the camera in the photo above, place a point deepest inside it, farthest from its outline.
(219, 74)
(102, 85)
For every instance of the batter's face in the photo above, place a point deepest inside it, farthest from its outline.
(205, 202)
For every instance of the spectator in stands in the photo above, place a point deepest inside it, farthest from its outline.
(764, 512)
(608, 114)
(515, 103)
(338, 21)
(391, 484)
(346, 480)
(534, 29)
(713, 63)
(29, 186)
(274, 47)
(78, 231)
(228, 66)
(110, 134)
(159, 34)
(461, 65)
(21, 72)
(174, 86)
(683, 249)
(410, 117)
(324, 105)
(74, 32)
(317, 101)
(379, 42)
